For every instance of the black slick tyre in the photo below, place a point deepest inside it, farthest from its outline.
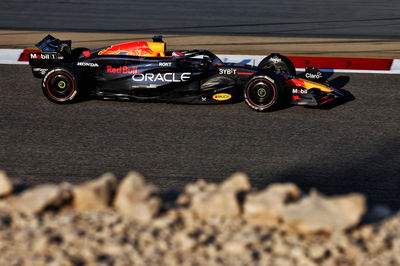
(263, 92)
(278, 63)
(62, 85)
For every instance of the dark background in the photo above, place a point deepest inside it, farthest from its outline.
(332, 18)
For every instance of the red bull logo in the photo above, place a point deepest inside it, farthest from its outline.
(131, 48)
(122, 70)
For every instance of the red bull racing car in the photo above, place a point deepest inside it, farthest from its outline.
(146, 71)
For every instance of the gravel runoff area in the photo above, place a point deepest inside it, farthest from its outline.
(338, 47)
(101, 222)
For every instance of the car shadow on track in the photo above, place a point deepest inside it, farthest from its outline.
(338, 83)
(376, 175)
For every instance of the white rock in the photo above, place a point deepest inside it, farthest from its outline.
(320, 214)
(132, 189)
(184, 242)
(216, 204)
(96, 194)
(237, 182)
(37, 199)
(6, 186)
(265, 208)
(235, 247)
(133, 198)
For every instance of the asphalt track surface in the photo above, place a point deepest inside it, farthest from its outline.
(306, 18)
(353, 147)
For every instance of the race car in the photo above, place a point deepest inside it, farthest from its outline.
(146, 71)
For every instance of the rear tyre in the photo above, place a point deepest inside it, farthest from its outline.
(278, 63)
(63, 85)
(264, 93)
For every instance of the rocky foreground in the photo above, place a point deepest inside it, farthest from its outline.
(102, 222)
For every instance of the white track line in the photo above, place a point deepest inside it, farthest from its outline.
(355, 71)
(11, 56)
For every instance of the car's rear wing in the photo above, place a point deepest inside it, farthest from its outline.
(52, 51)
(49, 44)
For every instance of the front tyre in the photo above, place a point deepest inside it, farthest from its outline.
(263, 93)
(278, 63)
(62, 85)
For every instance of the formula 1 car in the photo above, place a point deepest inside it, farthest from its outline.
(146, 71)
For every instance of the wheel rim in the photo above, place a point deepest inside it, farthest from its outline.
(60, 86)
(261, 93)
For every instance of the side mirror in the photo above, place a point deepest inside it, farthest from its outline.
(157, 38)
